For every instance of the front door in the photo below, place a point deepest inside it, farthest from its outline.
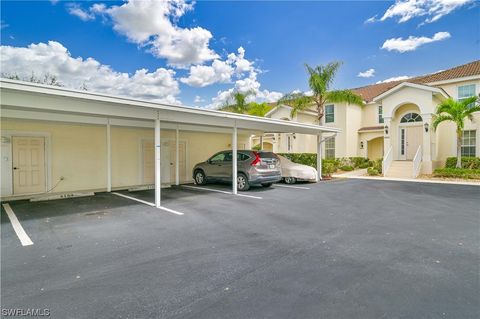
(410, 139)
(167, 161)
(414, 140)
(149, 162)
(28, 159)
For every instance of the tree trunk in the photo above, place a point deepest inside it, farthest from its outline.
(459, 149)
(320, 114)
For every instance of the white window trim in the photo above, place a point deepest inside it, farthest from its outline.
(378, 114)
(470, 145)
(334, 146)
(334, 114)
(474, 91)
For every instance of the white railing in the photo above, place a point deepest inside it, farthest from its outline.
(417, 162)
(387, 160)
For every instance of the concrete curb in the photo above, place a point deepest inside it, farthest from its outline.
(408, 180)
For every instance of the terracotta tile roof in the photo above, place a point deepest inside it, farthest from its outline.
(370, 91)
(371, 128)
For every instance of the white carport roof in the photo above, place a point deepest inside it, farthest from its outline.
(31, 100)
(26, 100)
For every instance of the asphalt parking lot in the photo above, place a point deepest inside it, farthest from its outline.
(337, 249)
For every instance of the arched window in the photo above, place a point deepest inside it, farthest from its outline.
(410, 118)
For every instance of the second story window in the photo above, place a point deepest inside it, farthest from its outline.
(465, 91)
(329, 113)
(380, 114)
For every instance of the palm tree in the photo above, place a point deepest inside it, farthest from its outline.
(456, 112)
(320, 79)
(237, 103)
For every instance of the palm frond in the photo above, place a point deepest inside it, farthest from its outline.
(441, 118)
(297, 101)
(446, 106)
(344, 96)
(321, 77)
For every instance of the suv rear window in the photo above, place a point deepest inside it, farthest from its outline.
(267, 155)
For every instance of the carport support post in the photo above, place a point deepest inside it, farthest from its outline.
(109, 157)
(234, 159)
(319, 156)
(177, 152)
(261, 142)
(158, 180)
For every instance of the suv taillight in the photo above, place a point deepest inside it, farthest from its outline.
(257, 160)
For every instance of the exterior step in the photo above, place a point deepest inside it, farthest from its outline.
(400, 169)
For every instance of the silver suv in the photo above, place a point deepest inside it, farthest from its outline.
(253, 168)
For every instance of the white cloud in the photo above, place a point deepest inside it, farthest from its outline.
(198, 99)
(367, 74)
(203, 75)
(412, 43)
(432, 10)
(372, 19)
(221, 71)
(54, 59)
(248, 85)
(242, 65)
(152, 24)
(395, 78)
(76, 10)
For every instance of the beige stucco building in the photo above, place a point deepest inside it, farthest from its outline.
(395, 123)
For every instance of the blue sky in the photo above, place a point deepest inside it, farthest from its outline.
(277, 38)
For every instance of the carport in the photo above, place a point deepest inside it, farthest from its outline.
(47, 104)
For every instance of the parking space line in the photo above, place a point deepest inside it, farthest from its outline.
(220, 191)
(170, 210)
(17, 227)
(249, 196)
(290, 186)
(207, 189)
(148, 203)
(135, 199)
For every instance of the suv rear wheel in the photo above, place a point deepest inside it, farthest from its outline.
(242, 182)
(200, 178)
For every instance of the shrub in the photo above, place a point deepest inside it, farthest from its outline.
(309, 159)
(346, 168)
(365, 165)
(372, 171)
(457, 172)
(328, 168)
(467, 162)
(357, 161)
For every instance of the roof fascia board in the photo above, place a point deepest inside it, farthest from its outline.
(15, 94)
(407, 84)
(95, 120)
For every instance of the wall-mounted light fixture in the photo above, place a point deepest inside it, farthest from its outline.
(426, 126)
(361, 145)
(386, 129)
(294, 136)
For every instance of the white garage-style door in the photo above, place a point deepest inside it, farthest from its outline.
(167, 161)
(28, 163)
